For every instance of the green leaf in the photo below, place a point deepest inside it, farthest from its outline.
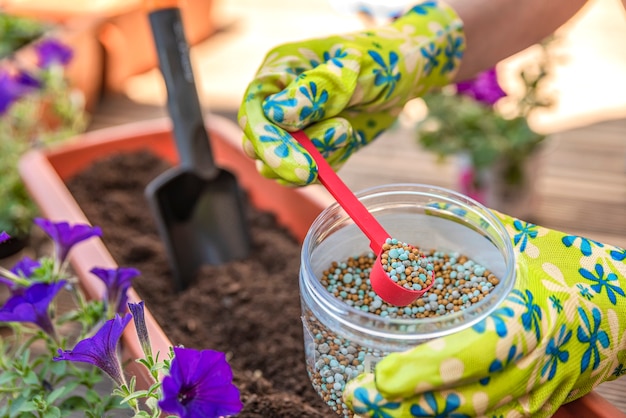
(31, 378)
(112, 402)
(27, 415)
(154, 388)
(52, 412)
(135, 395)
(22, 363)
(74, 403)
(59, 392)
(27, 406)
(58, 368)
(6, 377)
(16, 405)
(16, 32)
(92, 396)
(152, 403)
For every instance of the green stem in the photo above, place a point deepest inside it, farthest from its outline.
(21, 347)
(8, 274)
(4, 389)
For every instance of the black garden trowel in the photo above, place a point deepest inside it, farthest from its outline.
(199, 207)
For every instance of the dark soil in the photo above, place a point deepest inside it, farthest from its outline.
(250, 309)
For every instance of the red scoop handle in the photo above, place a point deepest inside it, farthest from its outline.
(344, 196)
(382, 284)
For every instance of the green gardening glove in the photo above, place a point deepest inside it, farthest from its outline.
(560, 333)
(345, 90)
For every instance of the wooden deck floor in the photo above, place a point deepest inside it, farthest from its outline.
(582, 189)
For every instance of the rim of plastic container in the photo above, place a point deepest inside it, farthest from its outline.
(477, 312)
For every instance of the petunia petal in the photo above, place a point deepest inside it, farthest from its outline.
(51, 51)
(484, 87)
(25, 267)
(65, 236)
(11, 90)
(31, 305)
(117, 281)
(101, 349)
(199, 385)
(137, 310)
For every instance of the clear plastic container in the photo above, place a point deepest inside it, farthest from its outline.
(342, 341)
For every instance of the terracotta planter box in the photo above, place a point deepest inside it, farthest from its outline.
(123, 35)
(44, 173)
(129, 46)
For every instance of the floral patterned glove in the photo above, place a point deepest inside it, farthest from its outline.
(345, 90)
(560, 333)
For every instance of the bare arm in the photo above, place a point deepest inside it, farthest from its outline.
(497, 29)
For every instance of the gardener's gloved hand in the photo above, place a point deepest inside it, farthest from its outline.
(345, 90)
(561, 332)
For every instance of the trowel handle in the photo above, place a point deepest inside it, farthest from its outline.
(192, 139)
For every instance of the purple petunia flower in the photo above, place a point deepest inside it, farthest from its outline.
(65, 236)
(199, 385)
(23, 268)
(12, 88)
(137, 311)
(32, 306)
(101, 349)
(484, 88)
(117, 282)
(51, 51)
(4, 237)
(27, 80)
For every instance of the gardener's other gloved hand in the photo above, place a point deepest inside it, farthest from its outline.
(345, 90)
(561, 332)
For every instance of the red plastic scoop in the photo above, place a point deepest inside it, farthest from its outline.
(381, 282)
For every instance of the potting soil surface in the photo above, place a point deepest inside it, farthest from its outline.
(248, 309)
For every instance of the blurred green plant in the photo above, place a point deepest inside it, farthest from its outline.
(16, 32)
(37, 107)
(479, 119)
